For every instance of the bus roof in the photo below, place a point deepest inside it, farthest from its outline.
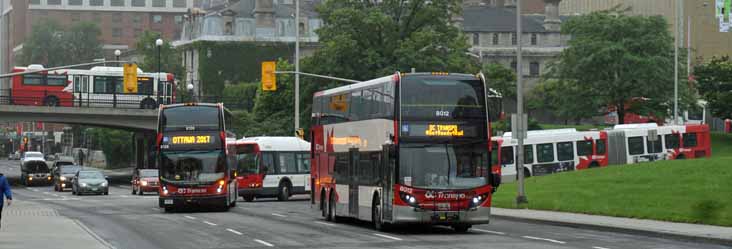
(277, 143)
(381, 80)
(635, 126)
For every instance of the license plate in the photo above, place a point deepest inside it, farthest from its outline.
(170, 202)
(95, 189)
(443, 206)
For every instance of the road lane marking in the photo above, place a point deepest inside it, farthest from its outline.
(190, 217)
(56, 195)
(597, 247)
(489, 231)
(46, 193)
(325, 223)
(234, 231)
(124, 196)
(279, 215)
(386, 236)
(545, 239)
(34, 190)
(264, 243)
(209, 223)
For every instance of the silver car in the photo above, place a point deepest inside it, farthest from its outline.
(89, 181)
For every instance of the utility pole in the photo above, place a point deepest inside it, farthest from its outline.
(519, 132)
(676, 62)
(297, 65)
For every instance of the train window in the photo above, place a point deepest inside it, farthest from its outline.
(654, 146)
(690, 140)
(565, 151)
(672, 141)
(635, 146)
(507, 155)
(545, 153)
(584, 148)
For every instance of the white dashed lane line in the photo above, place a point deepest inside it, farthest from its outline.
(387, 236)
(234, 231)
(279, 215)
(488, 231)
(544, 239)
(209, 223)
(190, 217)
(598, 247)
(264, 243)
(325, 223)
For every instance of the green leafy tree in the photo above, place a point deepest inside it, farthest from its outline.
(561, 97)
(170, 61)
(82, 43)
(272, 114)
(617, 59)
(501, 79)
(715, 85)
(51, 45)
(116, 145)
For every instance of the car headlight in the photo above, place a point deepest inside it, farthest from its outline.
(63, 178)
(143, 183)
(104, 184)
(83, 184)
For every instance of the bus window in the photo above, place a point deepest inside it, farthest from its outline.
(56, 80)
(528, 154)
(507, 155)
(689, 140)
(268, 162)
(635, 145)
(600, 146)
(494, 153)
(303, 162)
(672, 141)
(545, 153)
(654, 146)
(584, 148)
(33, 79)
(565, 151)
(287, 162)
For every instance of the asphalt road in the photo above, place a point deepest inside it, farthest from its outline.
(123, 220)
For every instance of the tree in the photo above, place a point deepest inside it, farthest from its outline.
(616, 59)
(169, 58)
(51, 45)
(500, 78)
(715, 85)
(82, 42)
(272, 114)
(561, 97)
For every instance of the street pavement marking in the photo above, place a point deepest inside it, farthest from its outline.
(279, 215)
(489, 231)
(190, 217)
(209, 223)
(34, 190)
(46, 193)
(545, 239)
(597, 247)
(386, 236)
(55, 199)
(124, 196)
(56, 195)
(234, 231)
(325, 223)
(264, 243)
(93, 234)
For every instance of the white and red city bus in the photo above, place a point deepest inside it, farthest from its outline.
(194, 165)
(272, 167)
(553, 151)
(405, 148)
(96, 87)
(633, 143)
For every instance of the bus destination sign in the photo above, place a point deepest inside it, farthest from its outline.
(200, 139)
(440, 130)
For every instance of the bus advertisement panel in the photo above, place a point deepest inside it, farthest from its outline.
(194, 166)
(407, 148)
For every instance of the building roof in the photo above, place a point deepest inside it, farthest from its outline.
(500, 19)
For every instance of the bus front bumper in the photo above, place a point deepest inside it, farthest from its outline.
(191, 200)
(411, 215)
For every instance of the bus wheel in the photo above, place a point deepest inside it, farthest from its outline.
(527, 174)
(248, 198)
(51, 101)
(376, 217)
(332, 209)
(283, 193)
(461, 228)
(148, 104)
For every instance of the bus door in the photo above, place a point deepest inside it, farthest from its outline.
(354, 160)
(388, 163)
(166, 92)
(81, 89)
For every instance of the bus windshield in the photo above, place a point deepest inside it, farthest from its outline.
(180, 118)
(444, 98)
(248, 163)
(193, 166)
(443, 166)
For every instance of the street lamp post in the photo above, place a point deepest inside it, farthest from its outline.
(519, 132)
(117, 53)
(158, 44)
(297, 65)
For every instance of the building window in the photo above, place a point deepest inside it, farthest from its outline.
(117, 32)
(136, 18)
(158, 3)
(157, 19)
(117, 2)
(179, 3)
(533, 39)
(178, 19)
(35, 2)
(54, 2)
(138, 3)
(476, 39)
(76, 2)
(534, 69)
(514, 65)
(75, 17)
(495, 38)
(96, 2)
(513, 38)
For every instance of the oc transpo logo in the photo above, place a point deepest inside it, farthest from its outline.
(443, 195)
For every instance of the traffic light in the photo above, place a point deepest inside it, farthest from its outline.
(300, 133)
(269, 80)
(130, 78)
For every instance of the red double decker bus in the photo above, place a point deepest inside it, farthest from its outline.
(195, 167)
(405, 148)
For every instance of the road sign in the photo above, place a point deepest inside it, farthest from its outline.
(269, 80)
(130, 78)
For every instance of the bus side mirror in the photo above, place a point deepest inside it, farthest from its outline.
(495, 181)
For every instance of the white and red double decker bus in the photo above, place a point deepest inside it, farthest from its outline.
(96, 87)
(634, 143)
(195, 167)
(552, 151)
(405, 148)
(272, 167)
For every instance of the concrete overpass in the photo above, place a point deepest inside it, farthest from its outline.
(139, 120)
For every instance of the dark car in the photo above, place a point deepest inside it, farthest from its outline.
(89, 181)
(145, 180)
(62, 175)
(35, 172)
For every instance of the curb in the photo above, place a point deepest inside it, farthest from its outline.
(658, 234)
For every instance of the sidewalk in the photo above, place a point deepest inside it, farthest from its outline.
(30, 225)
(717, 234)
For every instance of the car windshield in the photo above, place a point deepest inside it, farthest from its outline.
(91, 175)
(33, 155)
(443, 166)
(148, 173)
(193, 166)
(69, 169)
(60, 163)
(36, 167)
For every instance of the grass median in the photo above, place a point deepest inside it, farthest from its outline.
(690, 191)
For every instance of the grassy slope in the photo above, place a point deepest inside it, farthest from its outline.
(693, 191)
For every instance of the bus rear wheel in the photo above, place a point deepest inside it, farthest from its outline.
(461, 228)
(283, 192)
(376, 216)
(332, 209)
(51, 101)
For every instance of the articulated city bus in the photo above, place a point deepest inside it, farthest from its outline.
(405, 148)
(633, 143)
(272, 167)
(194, 165)
(552, 151)
(96, 87)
